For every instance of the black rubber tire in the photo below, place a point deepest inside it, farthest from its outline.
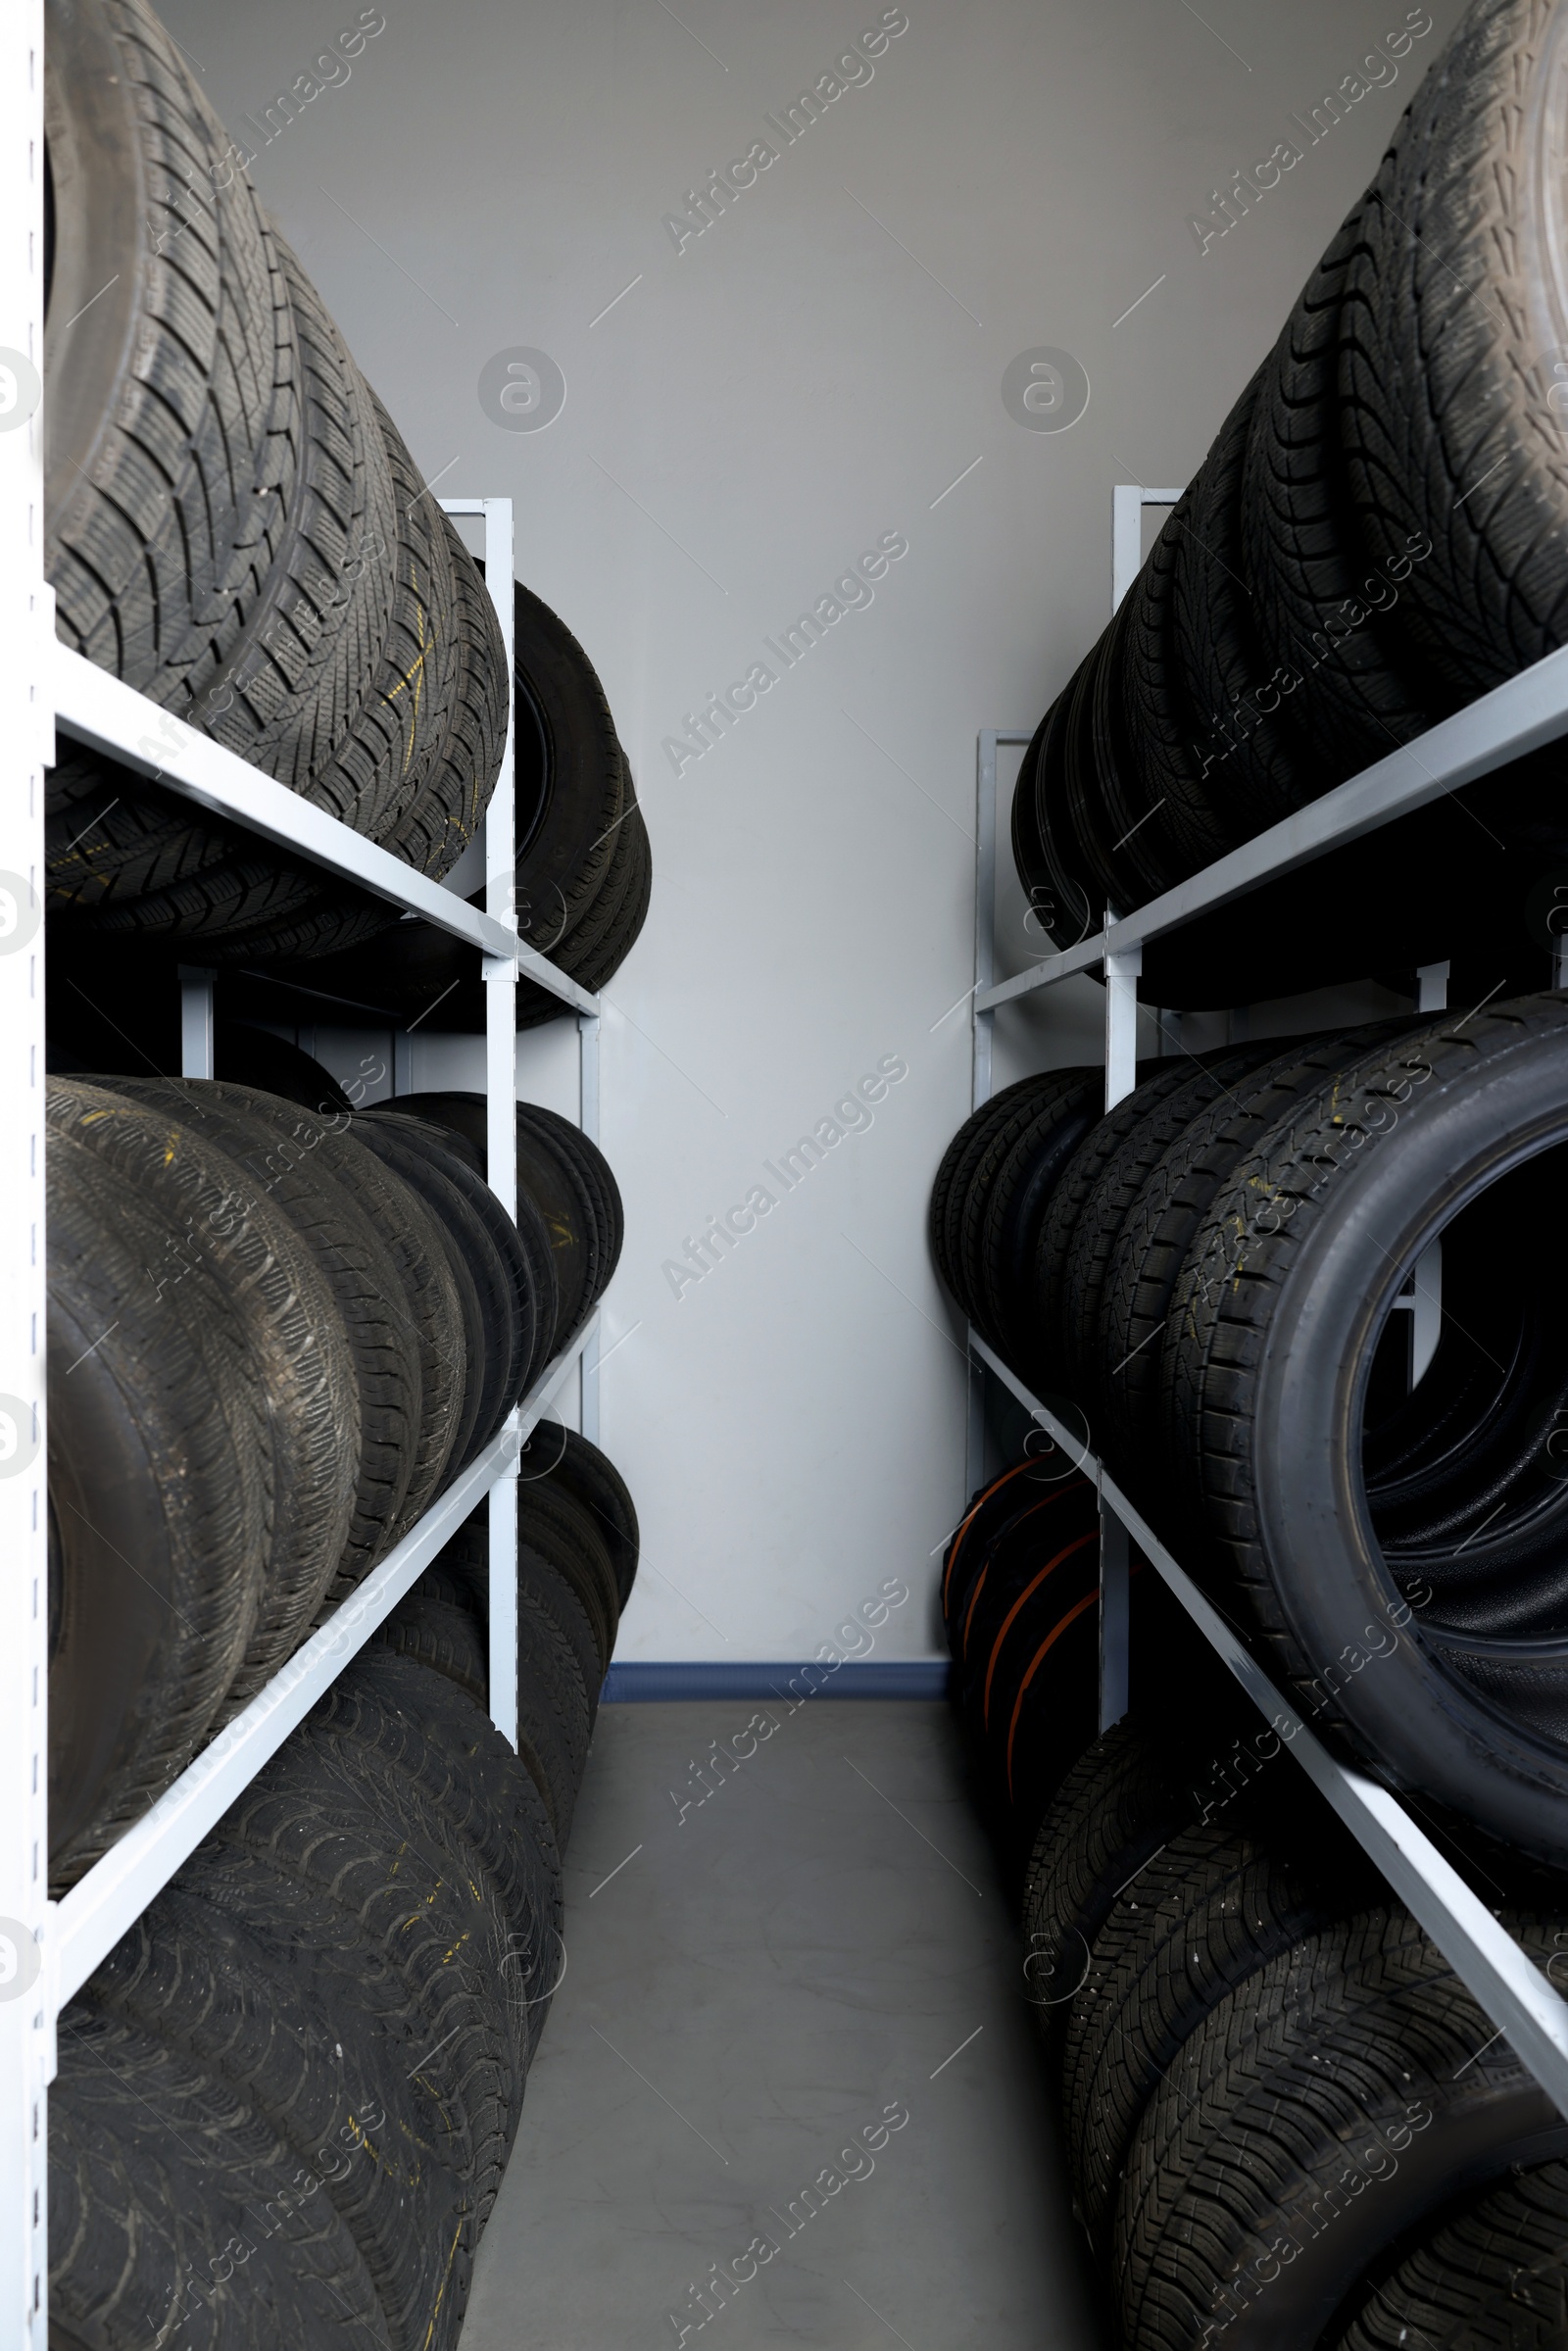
(559, 1455)
(162, 2176)
(1168, 831)
(1062, 894)
(569, 1223)
(514, 1312)
(593, 968)
(601, 1215)
(1080, 1223)
(433, 1732)
(177, 376)
(196, 1980)
(1253, 774)
(571, 776)
(1081, 806)
(991, 1507)
(440, 1630)
(303, 665)
(1306, 555)
(615, 891)
(465, 1565)
(1335, 2100)
(157, 1444)
(426, 748)
(555, 1709)
(1451, 399)
(567, 1533)
(321, 1955)
(1452, 1679)
(346, 1824)
(1490, 2277)
(1155, 725)
(1011, 1192)
(245, 1056)
(1024, 1678)
(567, 1201)
(553, 1706)
(304, 1366)
(1159, 1770)
(965, 1155)
(471, 1814)
(1098, 1191)
(1110, 812)
(431, 1306)
(443, 803)
(551, 1216)
(1134, 1303)
(489, 1328)
(1028, 850)
(286, 1166)
(234, 527)
(1204, 1912)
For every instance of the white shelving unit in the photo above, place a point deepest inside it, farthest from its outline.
(48, 1949)
(1532, 709)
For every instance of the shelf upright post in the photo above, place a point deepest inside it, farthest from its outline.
(1432, 987)
(1115, 1587)
(588, 1042)
(26, 747)
(985, 911)
(1128, 500)
(1123, 970)
(500, 1098)
(197, 1049)
(985, 966)
(1426, 1284)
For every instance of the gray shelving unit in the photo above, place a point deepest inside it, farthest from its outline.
(48, 1949)
(1531, 709)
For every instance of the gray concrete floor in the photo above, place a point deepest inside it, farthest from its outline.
(821, 1941)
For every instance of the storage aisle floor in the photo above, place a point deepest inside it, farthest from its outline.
(764, 1977)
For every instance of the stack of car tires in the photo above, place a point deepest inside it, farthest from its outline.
(1227, 1285)
(287, 2099)
(236, 529)
(1288, 2123)
(583, 872)
(1372, 542)
(275, 1337)
(1272, 1289)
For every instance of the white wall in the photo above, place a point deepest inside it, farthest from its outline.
(758, 410)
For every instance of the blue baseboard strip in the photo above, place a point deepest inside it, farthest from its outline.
(897, 1677)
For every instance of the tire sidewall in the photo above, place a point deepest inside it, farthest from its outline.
(1340, 1599)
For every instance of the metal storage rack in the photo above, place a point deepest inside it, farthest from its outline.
(48, 1949)
(1532, 709)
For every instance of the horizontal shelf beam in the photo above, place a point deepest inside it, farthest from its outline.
(100, 710)
(1515, 717)
(1502, 1975)
(90, 1918)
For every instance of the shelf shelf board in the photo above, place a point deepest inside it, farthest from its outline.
(98, 710)
(1513, 1991)
(1514, 719)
